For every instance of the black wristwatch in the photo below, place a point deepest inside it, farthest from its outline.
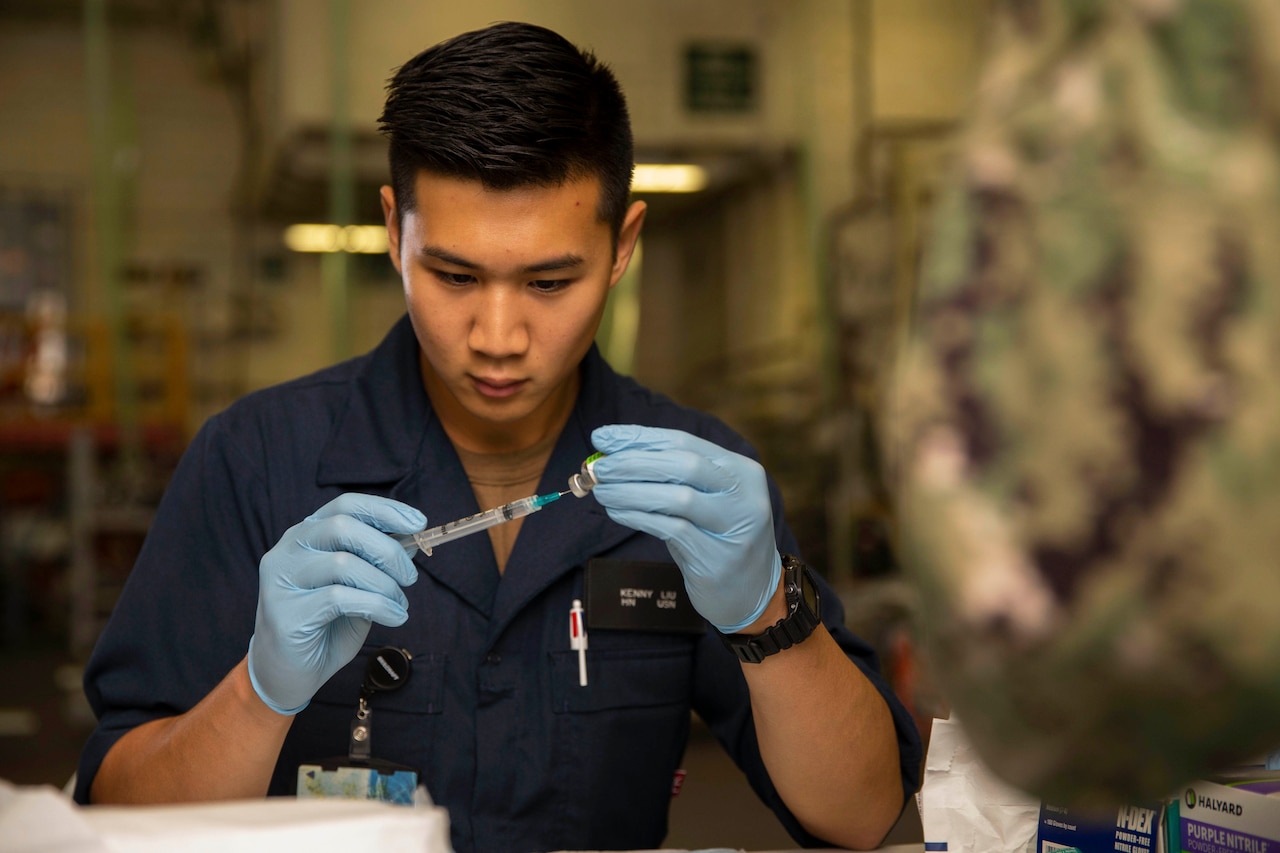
(804, 613)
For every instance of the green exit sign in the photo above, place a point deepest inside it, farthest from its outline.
(720, 78)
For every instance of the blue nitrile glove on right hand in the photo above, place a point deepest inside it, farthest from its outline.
(319, 590)
(710, 505)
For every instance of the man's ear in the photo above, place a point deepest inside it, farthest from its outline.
(627, 237)
(391, 216)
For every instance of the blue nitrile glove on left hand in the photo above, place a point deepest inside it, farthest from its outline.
(711, 506)
(320, 589)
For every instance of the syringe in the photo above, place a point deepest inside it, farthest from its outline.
(447, 532)
(580, 485)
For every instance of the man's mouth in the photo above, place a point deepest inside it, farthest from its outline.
(495, 388)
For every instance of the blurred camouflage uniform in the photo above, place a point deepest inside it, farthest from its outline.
(1085, 427)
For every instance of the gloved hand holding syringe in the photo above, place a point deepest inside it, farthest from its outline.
(579, 485)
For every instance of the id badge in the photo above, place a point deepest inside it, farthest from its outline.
(360, 776)
(639, 595)
(379, 780)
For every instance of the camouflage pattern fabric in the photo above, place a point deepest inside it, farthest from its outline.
(1085, 426)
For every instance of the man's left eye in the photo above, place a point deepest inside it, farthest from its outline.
(548, 285)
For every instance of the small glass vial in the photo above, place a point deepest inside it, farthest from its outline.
(585, 480)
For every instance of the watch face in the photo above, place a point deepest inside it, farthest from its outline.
(799, 577)
(810, 593)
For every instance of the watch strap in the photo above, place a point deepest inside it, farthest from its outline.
(791, 629)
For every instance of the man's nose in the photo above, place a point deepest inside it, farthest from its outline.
(499, 328)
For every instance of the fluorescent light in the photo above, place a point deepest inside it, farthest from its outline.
(372, 239)
(364, 239)
(668, 178)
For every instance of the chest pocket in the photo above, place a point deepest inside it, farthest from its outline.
(620, 738)
(404, 720)
(622, 678)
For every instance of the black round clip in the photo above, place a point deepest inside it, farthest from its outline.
(388, 670)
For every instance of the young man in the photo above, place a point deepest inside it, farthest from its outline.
(238, 648)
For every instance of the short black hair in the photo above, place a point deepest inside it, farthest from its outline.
(510, 105)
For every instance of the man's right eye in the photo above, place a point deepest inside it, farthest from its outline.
(457, 279)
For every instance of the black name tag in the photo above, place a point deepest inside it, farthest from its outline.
(635, 595)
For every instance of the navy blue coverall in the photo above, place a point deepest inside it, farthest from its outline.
(492, 717)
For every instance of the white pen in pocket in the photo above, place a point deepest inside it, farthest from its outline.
(578, 639)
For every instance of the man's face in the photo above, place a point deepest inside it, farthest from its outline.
(505, 289)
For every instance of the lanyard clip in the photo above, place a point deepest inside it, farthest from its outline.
(359, 746)
(387, 671)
